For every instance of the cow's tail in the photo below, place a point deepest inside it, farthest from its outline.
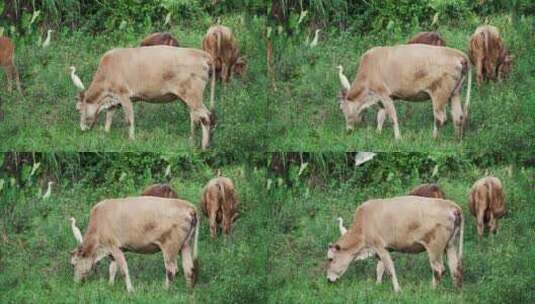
(461, 237)
(468, 90)
(221, 186)
(212, 86)
(196, 235)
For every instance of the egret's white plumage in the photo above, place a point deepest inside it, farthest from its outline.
(363, 157)
(76, 231)
(48, 191)
(315, 40)
(343, 229)
(343, 79)
(76, 80)
(48, 37)
(167, 170)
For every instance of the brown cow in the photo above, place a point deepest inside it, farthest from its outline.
(412, 72)
(7, 62)
(431, 38)
(219, 42)
(160, 190)
(487, 203)
(428, 190)
(138, 224)
(489, 55)
(219, 202)
(152, 74)
(160, 38)
(408, 224)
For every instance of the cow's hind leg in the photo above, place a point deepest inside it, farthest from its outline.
(437, 264)
(118, 256)
(457, 115)
(212, 218)
(188, 264)
(169, 259)
(454, 262)
(438, 112)
(193, 125)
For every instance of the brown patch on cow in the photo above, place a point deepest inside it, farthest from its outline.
(167, 235)
(168, 75)
(413, 226)
(436, 85)
(159, 38)
(429, 236)
(148, 227)
(160, 190)
(420, 74)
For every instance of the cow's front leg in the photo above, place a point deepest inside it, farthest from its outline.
(113, 271)
(129, 113)
(389, 265)
(380, 271)
(121, 261)
(109, 118)
(380, 119)
(391, 110)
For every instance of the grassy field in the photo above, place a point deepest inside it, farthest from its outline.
(306, 115)
(497, 270)
(45, 118)
(37, 240)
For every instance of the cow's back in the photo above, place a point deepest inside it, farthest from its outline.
(406, 70)
(404, 215)
(146, 68)
(139, 221)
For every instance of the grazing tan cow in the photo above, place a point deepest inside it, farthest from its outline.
(219, 202)
(412, 72)
(408, 224)
(431, 38)
(153, 74)
(160, 38)
(142, 225)
(219, 42)
(489, 55)
(160, 190)
(428, 190)
(487, 203)
(7, 62)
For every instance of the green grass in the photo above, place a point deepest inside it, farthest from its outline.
(37, 240)
(305, 110)
(497, 270)
(45, 118)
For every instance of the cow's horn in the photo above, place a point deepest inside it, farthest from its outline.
(76, 231)
(343, 229)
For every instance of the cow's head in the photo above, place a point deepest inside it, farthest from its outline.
(240, 66)
(88, 109)
(340, 257)
(353, 105)
(81, 258)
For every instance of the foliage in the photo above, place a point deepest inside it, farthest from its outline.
(36, 239)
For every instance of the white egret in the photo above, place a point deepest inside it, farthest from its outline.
(48, 37)
(76, 80)
(315, 40)
(343, 79)
(76, 231)
(343, 229)
(48, 191)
